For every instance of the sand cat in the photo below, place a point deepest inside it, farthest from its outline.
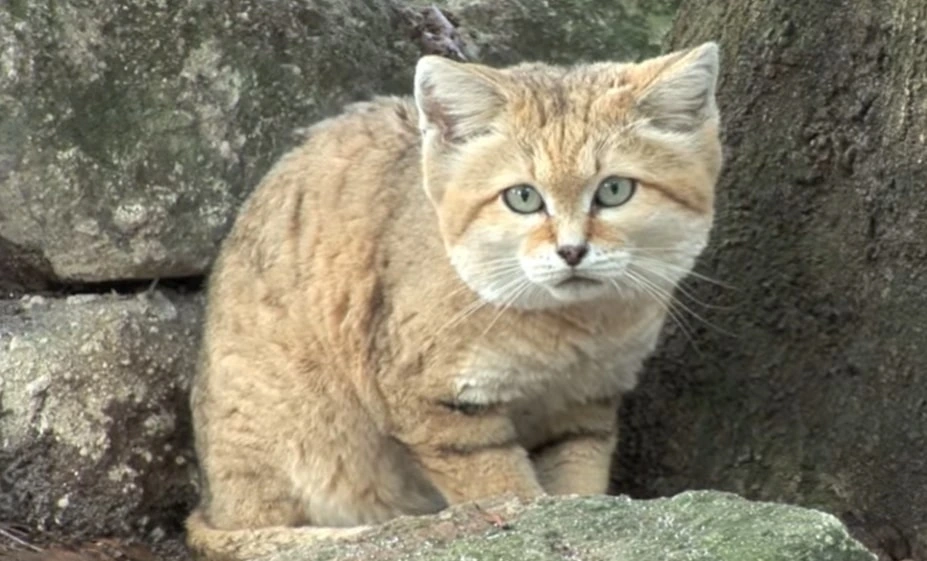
(442, 298)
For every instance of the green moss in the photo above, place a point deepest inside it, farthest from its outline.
(17, 8)
(694, 526)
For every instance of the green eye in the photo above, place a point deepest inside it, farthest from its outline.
(523, 199)
(615, 191)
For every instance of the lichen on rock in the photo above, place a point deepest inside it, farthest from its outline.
(692, 526)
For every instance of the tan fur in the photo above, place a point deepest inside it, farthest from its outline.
(385, 336)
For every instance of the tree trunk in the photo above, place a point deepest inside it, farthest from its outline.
(818, 394)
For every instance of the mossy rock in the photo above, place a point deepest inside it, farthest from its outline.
(692, 526)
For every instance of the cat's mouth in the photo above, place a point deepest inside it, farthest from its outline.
(578, 281)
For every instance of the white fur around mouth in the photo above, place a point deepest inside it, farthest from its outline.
(577, 281)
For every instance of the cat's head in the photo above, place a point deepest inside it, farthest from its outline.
(559, 185)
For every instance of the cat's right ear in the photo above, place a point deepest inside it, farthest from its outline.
(455, 100)
(680, 94)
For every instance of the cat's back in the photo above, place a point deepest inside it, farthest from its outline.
(345, 167)
(340, 186)
(327, 211)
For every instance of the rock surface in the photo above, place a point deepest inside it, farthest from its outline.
(563, 32)
(95, 431)
(130, 132)
(693, 526)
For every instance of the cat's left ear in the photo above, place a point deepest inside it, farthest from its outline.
(456, 100)
(680, 93)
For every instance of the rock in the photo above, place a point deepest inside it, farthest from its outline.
(692, 526)
(94, 437)
(130, 133)
(22, 269)
(563, 32)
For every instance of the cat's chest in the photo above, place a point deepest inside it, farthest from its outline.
(553, 373)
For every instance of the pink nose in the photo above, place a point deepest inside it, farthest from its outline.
(572, 254)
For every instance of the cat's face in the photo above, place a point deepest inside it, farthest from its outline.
(557, 186)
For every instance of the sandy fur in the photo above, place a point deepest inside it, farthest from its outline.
(384, 336)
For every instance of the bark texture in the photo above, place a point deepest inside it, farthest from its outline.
(817, 395)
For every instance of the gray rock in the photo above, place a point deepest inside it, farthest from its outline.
(692, 526)
(94, 435)
(131, 131)
(563, 32)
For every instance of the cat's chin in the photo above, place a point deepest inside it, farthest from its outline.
(577, 290)
(547, 297)
(563, 294)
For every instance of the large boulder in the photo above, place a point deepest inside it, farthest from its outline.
(94, 423)
(693, 526)
(131, 131)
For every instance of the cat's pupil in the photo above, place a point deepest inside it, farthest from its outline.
(524, 193)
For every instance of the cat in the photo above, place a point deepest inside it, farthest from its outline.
(442, 298)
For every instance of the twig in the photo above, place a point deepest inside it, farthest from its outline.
(16, 539)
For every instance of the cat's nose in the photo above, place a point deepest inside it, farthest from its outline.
(572, 254)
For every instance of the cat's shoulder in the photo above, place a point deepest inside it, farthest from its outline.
(366, 137)
(379, 117)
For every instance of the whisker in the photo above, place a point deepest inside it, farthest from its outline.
(484, 278)
(672, 299)
(513, 260)
(508, 302)
(493, 268)
(688, 272)
(637, 124)
(621, 290)
(463, 314)
(674, 315)
(475, 306)
(678, 285)
(664, 249)
(667, 307)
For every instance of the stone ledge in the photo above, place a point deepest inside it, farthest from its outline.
(692, 526)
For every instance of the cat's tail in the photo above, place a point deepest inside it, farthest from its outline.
(208, 543)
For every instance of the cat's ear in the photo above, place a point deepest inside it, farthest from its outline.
(679, 94)
(455, 100)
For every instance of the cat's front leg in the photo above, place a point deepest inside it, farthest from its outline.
(576, 458)
(470, 452)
